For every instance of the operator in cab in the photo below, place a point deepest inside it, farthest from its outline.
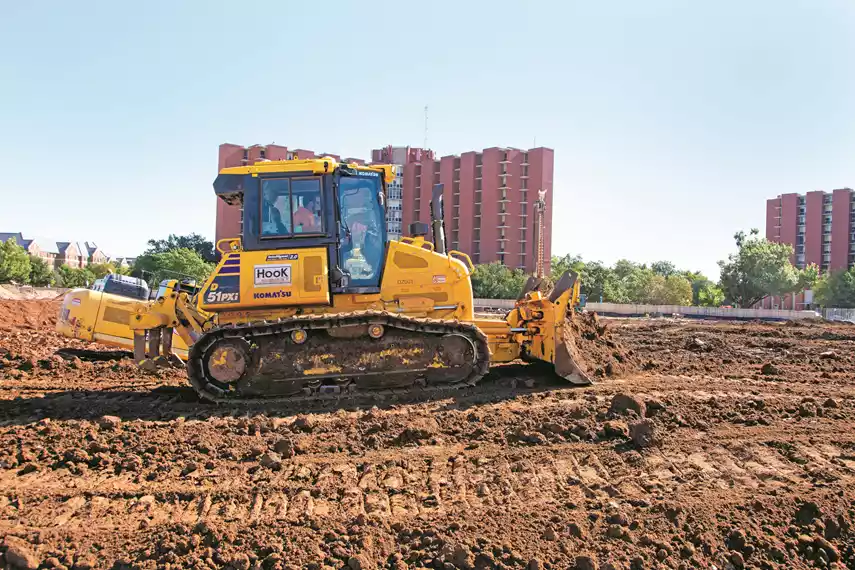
(272, 221)
(361, 215)
(307, 218)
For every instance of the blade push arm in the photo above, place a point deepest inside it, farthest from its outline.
(153, 326)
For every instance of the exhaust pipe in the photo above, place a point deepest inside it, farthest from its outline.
(437, 219)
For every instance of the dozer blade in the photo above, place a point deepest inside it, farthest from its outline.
(552, 337)
(567, 357)
(565, 282)
(565, 361)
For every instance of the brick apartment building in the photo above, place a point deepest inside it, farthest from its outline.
(821, 228)
(58, 253)
(489, 196)
(489, 199)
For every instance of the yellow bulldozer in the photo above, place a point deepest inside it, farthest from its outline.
(313, 300)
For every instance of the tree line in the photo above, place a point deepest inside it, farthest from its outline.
(757, 269)
(177, 256)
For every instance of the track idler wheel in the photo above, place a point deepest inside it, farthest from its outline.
(226, 362)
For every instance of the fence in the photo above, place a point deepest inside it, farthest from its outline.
(847, 315)
(631, 310)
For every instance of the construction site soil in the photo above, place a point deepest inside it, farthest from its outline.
(700, 445)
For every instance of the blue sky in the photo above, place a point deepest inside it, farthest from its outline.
(671, 121)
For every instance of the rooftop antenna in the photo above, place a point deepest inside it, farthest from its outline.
(424, 146)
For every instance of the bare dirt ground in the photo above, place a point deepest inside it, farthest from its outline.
(721, 445)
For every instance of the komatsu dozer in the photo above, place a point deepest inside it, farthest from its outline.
(314, 300)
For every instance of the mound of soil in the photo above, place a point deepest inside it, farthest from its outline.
(594, 348)
(34, 314)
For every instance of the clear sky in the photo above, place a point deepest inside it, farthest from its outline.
(672, 121)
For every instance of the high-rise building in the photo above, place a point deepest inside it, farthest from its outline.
(488, 196)
(399, 156)
(394, 204)
(821, 228)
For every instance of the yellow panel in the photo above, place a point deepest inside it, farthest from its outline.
(409, 261)
(413, 271)
(117, 315)
(313, 273)
(269, 278)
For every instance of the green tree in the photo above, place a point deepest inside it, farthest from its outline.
(173, 264)
(101, 269)
(640, 285)
(202, 246)
(73, 277)
(596, 279)
(710, 295)
(14, 262)
(123, 270)
(836, 289)
(760, 268)
(41, 273)
(496, 281)
(663, 268)
(558, 265)
(671, 290)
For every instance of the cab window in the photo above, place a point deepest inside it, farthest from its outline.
(306, 205)
(290, 207)
(365, 232)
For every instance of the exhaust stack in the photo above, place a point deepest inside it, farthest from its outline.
(437, 219)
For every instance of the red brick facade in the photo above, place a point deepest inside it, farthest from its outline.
(489, 201)
(821, 228)
(489, 196)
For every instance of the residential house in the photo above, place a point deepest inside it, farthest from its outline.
(72, 253)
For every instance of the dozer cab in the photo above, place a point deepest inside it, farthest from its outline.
(313, 299)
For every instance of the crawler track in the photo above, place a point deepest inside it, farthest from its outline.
(356, 367)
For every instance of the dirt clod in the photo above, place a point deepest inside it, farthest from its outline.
(623, 403)
(109, 422)
(586, 562)
(20, 554)
(643, 433)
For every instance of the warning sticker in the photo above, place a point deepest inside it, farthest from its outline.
(439, 278)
